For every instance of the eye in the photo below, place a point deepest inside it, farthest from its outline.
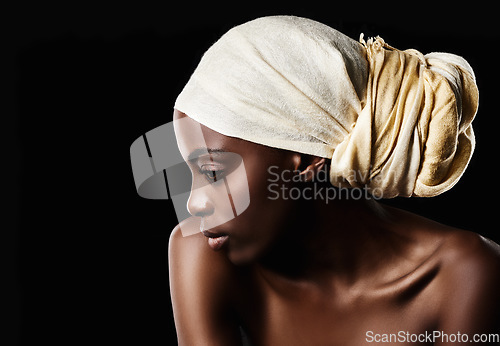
(212, 174)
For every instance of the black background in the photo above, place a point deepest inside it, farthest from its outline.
(86, 256)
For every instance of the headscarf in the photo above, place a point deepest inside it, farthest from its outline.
(396, 122)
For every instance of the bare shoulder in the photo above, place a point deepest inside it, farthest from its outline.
(458, 251)
(192, 261)
(469, 282)
(202, 287)
(188, 247)
(465, 289)
(469, 254)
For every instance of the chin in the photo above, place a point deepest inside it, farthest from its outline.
(243, 255)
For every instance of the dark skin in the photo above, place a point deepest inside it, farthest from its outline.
(304, 272)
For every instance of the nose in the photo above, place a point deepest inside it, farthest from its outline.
(199, 204)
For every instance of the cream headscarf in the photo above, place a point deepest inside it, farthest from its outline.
(397, 122)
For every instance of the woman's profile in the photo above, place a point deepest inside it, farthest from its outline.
(326, 127)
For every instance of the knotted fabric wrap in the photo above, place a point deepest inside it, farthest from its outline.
(397, 122)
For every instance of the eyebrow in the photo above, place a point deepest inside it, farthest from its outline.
(200, 151)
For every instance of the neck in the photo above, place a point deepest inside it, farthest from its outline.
(345, 237)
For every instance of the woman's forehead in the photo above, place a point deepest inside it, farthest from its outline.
(192, 135)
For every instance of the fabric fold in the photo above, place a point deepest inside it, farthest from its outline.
(397, 122)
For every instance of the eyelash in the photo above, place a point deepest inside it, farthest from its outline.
(212, 175)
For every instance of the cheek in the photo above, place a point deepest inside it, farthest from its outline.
(257, 229)
(266, 212)
(261, 224)
(265, 187)
(237, 187)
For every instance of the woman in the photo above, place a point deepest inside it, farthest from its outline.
(298, 101)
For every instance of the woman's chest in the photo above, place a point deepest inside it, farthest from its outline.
(308, 316)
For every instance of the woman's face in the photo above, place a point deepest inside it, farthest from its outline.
(248, 235)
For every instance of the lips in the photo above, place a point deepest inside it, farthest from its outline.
(216, 240)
